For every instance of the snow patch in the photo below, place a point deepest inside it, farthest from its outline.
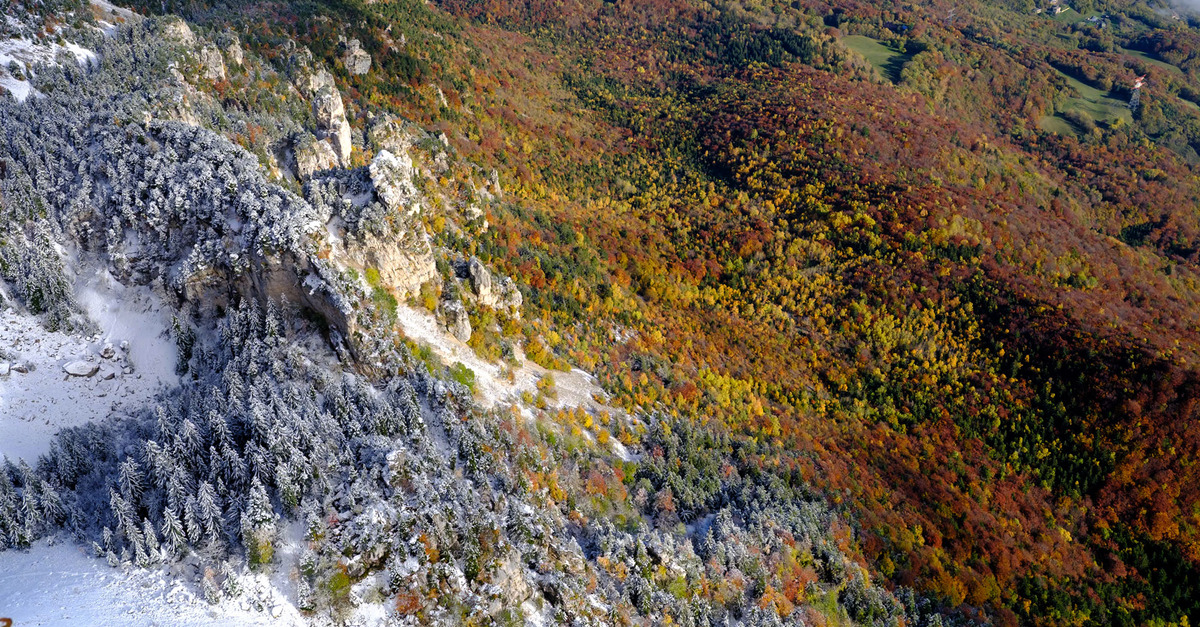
(133, 357)
(135, 315)
(61, 584)
(103, 8)
(26, 54)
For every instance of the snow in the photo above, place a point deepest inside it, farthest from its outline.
(536, 616)
(18, 88)
(27, 53)
(61, 584)
(575, 388)
(622, 452)
(106, 8)
(136, 315)
(35, 405)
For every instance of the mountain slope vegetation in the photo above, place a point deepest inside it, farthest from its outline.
(897, 303)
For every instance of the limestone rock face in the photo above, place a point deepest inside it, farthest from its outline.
(331, 121)
(355, 59)
(510, 579)
(390, 135)
(392, 176)
(299, 65)
(312, 155)
(404, 260)
(490, 292)
(284, 278)
(510, 297)
(212, 64)
(457, 321)
(317, 80)
(234, 50)
(481, 283)
(179, 31)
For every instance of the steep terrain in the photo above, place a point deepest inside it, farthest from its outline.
(481, 311)
(275, 445)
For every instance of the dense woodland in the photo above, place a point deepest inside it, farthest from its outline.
(901, 332)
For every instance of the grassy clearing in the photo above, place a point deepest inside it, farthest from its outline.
(1071, 16)
(1151, 60)
(1067, 17)
(1099, 105)
(888, 61)
(1057, 124)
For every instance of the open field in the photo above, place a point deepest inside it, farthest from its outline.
(1101, 106)
(1151, 60)
(887, 60)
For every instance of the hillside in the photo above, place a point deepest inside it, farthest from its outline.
(499, 312)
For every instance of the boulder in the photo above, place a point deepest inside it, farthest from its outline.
(458, 323)
(355, 59)
(81, 368)
(212, 64)
(331, 121)
(4, 368)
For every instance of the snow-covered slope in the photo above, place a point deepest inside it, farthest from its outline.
(25, 54)
(133, 358)
(60, 584)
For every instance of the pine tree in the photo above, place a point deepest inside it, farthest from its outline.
(173, 536)
(152, 545)
(130, 479)
(259, 523)
(208, 511)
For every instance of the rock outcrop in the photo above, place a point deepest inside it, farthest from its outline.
(178, 31)
(331, 121)
(233, 48)
(391, 135)
(455, 317)
(356, 60)
(481, 283)
(509, 579)
(313, 82)
(404, 260)
(298, 280)
(312, 155)
(212, 64)
(492, 293)
(392, 176)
